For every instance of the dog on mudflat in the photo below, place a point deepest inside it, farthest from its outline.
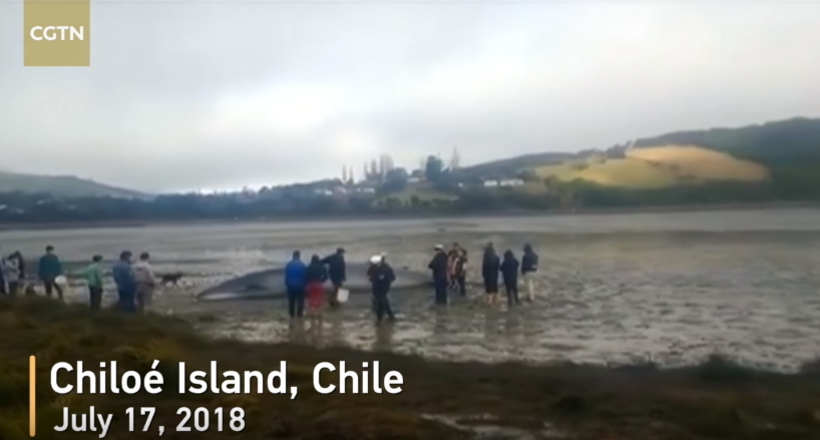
(171, 278)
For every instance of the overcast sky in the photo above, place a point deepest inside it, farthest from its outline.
(220, 94)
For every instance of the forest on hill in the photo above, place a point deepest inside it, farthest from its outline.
(771, 162)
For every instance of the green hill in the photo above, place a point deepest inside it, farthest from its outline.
(784, 155)
(790, 149)
(514, 165)
(65, 186)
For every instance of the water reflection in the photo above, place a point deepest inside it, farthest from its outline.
(491, 324)
(440, 320)
(384, 337)
(296, 331)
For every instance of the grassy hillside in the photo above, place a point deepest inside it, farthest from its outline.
(67, 186)
(782, 158)
(773, 143)
(512, 166)
(658, 167)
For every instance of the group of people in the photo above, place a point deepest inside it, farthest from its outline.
(450, 272)
(13, 274)
(135, 281)
(305, 282)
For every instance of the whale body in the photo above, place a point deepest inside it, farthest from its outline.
(270, 284)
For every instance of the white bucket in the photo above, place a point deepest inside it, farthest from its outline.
(343, 295)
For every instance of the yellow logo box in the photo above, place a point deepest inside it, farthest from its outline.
(57, 33)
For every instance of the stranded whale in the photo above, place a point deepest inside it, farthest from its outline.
(270, 284)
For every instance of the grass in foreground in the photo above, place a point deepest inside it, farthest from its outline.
(716, 400)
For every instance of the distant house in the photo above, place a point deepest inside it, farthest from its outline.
(510, 182)
(414, 180)
(494, 183)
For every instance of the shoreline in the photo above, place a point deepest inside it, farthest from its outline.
(714, 400)
(410, 216)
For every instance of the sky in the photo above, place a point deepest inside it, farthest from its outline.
(187, 95)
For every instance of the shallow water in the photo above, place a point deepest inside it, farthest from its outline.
(667, 287)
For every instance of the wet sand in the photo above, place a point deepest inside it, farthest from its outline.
(667, 287)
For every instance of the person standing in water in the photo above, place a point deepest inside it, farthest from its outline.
(145, 282)
(452, 258)
(93, 275)
(490, 267)
(295, 285)
(439, 267)
(315, 277)
(460, 272)
(381, 277)
(123, 273)
(509, 272)
(529, 265)
(49, 269)
(337, 270)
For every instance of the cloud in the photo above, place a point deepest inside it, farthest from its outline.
(184, 95)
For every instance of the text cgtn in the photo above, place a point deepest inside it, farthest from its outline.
(52, 33)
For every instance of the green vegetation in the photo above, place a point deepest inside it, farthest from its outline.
(773, 162)
(716, 400)
(790, 149)
(658, 167)
(65, 186)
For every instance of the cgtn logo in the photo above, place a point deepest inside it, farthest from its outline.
(61, 33)
(57, 33)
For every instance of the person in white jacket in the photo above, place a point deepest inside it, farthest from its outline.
(11, 275)
(145, 282)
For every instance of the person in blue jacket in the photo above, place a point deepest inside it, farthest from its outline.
(295, 283)
(49, 269)
(123, 274)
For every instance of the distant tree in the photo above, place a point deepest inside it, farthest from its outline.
(433, 169)
(395, 180)
(528, 175)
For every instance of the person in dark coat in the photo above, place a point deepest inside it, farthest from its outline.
(124, 277)
(529, 265)
(49, 269)
(439, 267)
(381, 278)
(337, 271)
(490, 267)
(509, 272)
(315, 276)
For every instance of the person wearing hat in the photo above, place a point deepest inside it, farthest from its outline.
(439, 265)
(381, 276)
(337, 271)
